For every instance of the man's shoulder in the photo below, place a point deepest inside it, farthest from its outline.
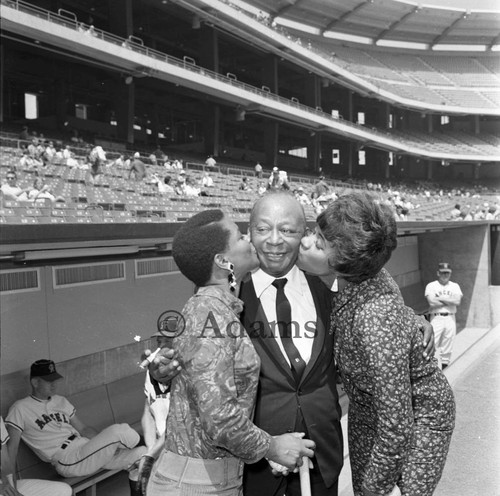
(19, 407)
(316, 284)
(21, 402)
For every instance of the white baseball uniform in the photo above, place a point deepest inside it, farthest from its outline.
(45, 427)
(443, 318)
(35, 487)
(158, 398)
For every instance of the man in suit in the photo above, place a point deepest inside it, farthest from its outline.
(288, 400)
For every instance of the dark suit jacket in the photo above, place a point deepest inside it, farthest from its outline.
(282, 403)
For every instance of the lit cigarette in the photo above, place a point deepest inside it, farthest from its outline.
(149, 359)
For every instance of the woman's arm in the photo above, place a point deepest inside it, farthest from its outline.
(211, 370)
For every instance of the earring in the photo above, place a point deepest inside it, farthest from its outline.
(230, 277)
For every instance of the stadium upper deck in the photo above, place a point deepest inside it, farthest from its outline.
(232, 82)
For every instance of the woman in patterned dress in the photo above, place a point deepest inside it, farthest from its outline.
(210, 433)
(401, 407)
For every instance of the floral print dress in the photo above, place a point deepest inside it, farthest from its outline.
(401, 407)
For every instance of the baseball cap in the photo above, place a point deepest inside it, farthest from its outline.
(45, 369)
(137, 155)
(275, 169)
(444, 267)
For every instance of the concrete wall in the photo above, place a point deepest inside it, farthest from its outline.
(84, 320)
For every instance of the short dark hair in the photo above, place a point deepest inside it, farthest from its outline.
(363, 234)
(197, 242)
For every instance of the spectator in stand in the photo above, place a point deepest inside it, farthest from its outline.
(50, 151)
(24, 487)
(40, 191)
(210, 162)
(160, 156)
(206, 180)
(164, 187)
(244, 184)
(97, 159)
(28, 162)
(261, 188)
(119, 162)
(35, 150)
(190, 188)
(48, 424)
(24, 134)
(67, 155)
(301, 196)
(320, 188)
(258, 170)
(493, 213)
(152, 159)
(277, 180)
(10, 189)
(138, 168)
(180, 185)
(177, 164)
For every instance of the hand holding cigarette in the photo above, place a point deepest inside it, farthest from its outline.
(145, 363)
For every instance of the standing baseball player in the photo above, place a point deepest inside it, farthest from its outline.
(443, 297)
(48, 424)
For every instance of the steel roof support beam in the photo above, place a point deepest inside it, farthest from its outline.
(345, 16)
(395, 24)
(452, 26)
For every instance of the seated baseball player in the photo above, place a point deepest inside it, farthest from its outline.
(11, 486)
(48, 424)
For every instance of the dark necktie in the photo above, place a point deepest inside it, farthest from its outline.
(283, 321)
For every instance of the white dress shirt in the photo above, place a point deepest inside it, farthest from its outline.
(301, 302)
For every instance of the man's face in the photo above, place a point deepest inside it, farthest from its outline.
(444, 276)
(43, 389)
(11, 179)
(278, 224)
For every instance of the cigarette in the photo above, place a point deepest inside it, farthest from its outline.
(149, 359)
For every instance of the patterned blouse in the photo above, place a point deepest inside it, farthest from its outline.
(397, 399)
(213, 397)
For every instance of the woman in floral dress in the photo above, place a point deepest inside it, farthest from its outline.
(401, 407)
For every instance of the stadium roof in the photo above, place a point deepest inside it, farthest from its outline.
(438, 24)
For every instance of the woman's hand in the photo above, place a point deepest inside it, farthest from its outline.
(428, 341)
(288, 449)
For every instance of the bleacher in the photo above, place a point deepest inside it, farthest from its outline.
(114, 198)
(459, 81)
